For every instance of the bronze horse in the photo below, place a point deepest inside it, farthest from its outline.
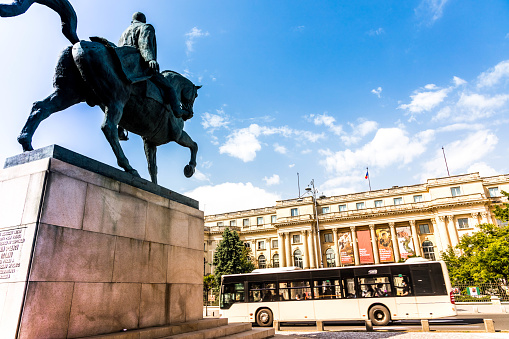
(90, 72)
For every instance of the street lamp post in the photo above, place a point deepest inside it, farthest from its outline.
(313, 191)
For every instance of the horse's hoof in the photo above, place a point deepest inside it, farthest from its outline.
(25, 143)
(134, 173)
(188, 171)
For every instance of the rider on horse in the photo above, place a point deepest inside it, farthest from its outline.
(142, 36)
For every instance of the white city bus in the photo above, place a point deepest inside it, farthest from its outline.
(417, 289)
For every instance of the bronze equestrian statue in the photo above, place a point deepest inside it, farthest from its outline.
(126, 84)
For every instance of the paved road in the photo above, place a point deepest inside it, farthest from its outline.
(462, 322)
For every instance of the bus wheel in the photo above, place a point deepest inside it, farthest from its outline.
(264, 317)
(379, 315)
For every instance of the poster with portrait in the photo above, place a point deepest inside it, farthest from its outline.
(383, 238)
(345, 248)
(365, 247)
(405, 243)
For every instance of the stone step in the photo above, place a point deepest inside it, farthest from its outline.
(166, 331)
(254, 333)
(217, 332)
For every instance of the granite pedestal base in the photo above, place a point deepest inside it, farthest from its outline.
(83, 253)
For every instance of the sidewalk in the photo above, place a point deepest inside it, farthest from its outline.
(481, 308)
(396, 335)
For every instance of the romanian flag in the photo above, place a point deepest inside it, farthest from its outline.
(367, 174)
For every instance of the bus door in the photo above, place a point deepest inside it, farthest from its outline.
(232, 302)
(349, 307)
(296, 301)
(405, 299)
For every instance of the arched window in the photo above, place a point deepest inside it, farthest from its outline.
(275, 260)
(297, 258)
(428, 249)
(262, 262)
(331, 258)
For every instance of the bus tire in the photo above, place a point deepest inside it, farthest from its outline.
(379, 315)
(264, 317)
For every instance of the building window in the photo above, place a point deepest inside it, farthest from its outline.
(424, 229)
(261, 245)
(294, 212)
(331, 259)
(220, 224)
(273, 219)
(325, 210)
(342, 208)
(359, 205)
(327, 237)
(233, 222)
(379, 203)
(428, 249)
(455, 191)
(275, 260)
(259, 221)
(274, 243)
(245, 222)
(417, 198)
(296, 238)
(398, 201)
(462, 222)
(297, 258)
(248, 245)
(493, 191)
(262, 262)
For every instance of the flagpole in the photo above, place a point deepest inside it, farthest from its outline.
(447, 167)
(369, 180)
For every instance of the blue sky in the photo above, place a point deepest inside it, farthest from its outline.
(323, 88)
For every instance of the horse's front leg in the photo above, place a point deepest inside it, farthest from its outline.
(57, 101)
(113, 114)
(186, 141)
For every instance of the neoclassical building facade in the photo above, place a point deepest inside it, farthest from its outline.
(373, 227)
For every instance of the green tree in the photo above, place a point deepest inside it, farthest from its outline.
(482, 256)
(231, 256)
(209, 282)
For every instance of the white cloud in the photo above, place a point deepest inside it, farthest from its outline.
(273, 180)
(459, 127)
(389, 146)
(377, 31)
(494, 75)
(430, 10)
(291, 165)
(359, 132)
(460, 154)
(243, 143)
(425, 101)
(200, 176)
(377, 91)
(458, 81)
(280, 149)
(328, 121)
(229, 197)
(192, 35)
(475, 106)
(484, 169)
(214, 121)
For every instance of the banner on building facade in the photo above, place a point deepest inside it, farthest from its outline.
(383, 236)
(405, 243)
(365, 247)
(345, 248)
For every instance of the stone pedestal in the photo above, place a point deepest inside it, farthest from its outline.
(86, 249)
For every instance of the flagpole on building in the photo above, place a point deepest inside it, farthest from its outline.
(447, 167)
(367, 177)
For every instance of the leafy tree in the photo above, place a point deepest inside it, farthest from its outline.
(231, 256)
(482, 256)
(209, 282)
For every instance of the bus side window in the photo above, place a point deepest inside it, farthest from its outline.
(327, 289)
(349, 287)
(295, 290)
(402, 285)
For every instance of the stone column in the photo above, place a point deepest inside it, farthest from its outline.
(268, 255)
(306, 255)
(312, 258)
(475, 216)
(355, 245)
(453, 233)
(415, 237)
(281, 249)
(317, 248)
(253, 249)
(394, 239)
(376, 255)
(442, 228)
(288, 250)
(336, 247)
(484, 217)
(436, 232)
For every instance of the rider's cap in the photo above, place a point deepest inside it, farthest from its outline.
(139, 16)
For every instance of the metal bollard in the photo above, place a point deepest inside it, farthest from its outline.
(277, 325)
(319, 325)
(369, 326)
(425, 325)
(489, 325)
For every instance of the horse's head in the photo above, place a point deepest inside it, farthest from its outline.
(187, 92)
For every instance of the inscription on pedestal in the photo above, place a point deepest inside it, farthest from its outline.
(11, 244)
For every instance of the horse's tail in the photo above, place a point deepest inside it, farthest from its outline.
(62, 7)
